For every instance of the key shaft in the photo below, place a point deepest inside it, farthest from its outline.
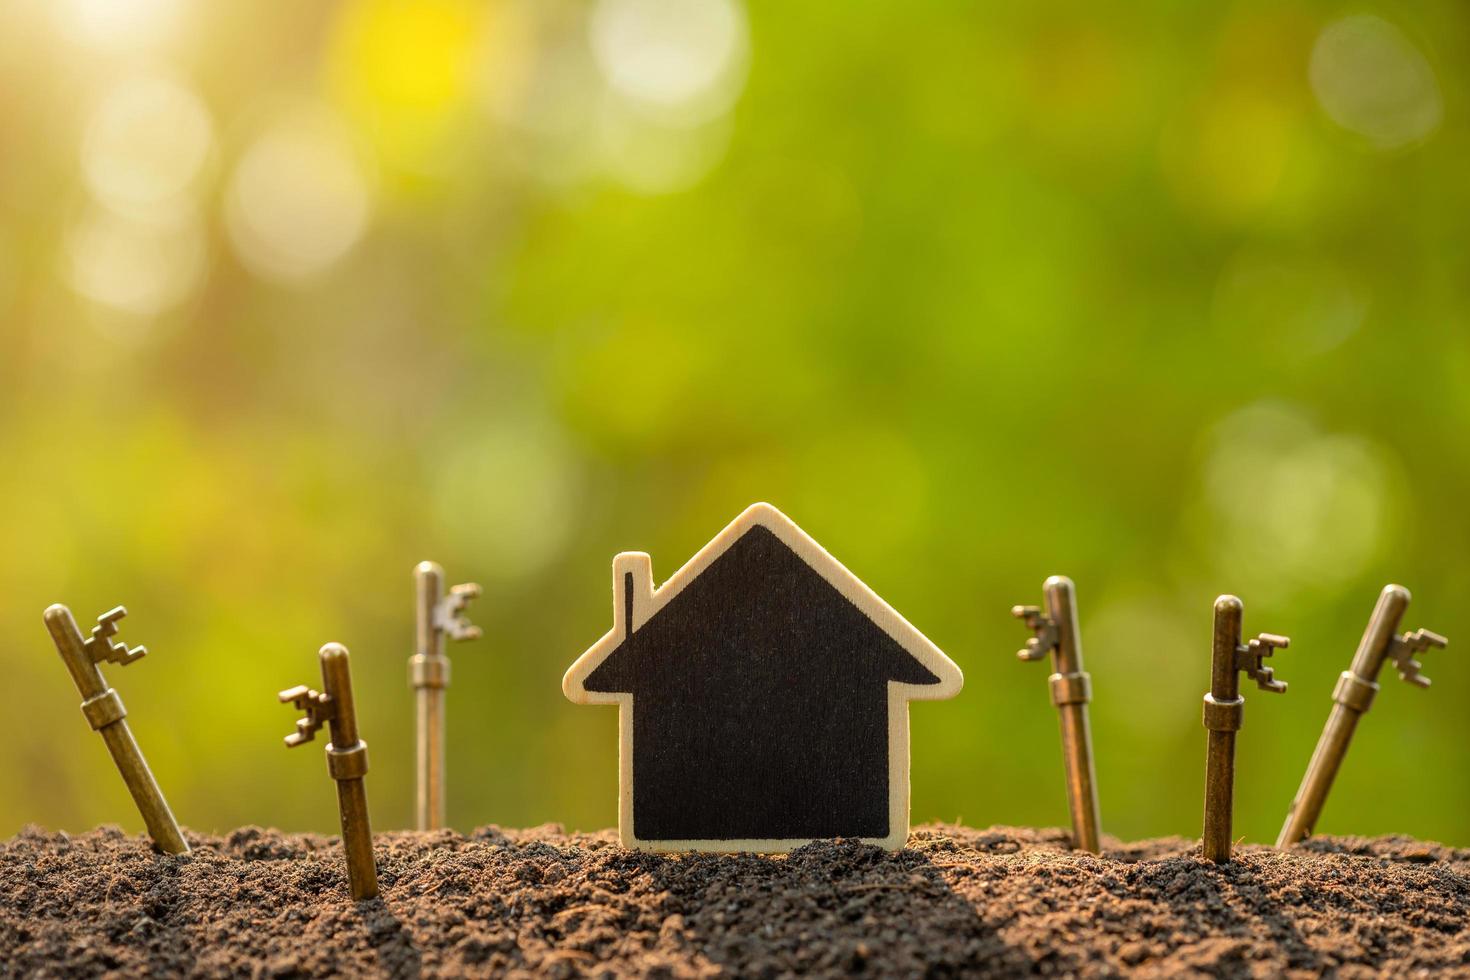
(438, 615)
(346, 763)
(1351, 698)
(1057, 633)
(1222, 718)
(105, 712)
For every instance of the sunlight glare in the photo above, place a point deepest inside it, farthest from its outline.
(118, 24)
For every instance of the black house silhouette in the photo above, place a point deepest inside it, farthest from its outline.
(762, 692)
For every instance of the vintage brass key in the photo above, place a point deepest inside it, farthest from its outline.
(439, 615)
(1071, 690)
(1352, 698)
(105, 713)
(346, 760)
(1223, 709)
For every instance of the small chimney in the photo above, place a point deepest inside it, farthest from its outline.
(632, 591)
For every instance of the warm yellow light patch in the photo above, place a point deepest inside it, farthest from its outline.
(1226, 158)
(405, 70)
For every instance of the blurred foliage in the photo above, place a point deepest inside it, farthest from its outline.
(1171, 299)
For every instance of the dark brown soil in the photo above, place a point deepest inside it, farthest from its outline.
(956, 902)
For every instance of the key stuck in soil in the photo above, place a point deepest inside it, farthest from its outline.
(957, 901)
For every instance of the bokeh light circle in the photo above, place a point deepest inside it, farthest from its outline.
(299, 198)
(118, 24)
(1319, 509)
(145, 143)
(133, 266)
(683, 59)
(1371, 80)
(514, 489)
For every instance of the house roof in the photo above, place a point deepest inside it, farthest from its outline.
(761, 550)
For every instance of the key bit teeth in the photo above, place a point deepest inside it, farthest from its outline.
(1403, 649)
(1423, 639)
(294, 695)
(1412, 676)
(1046, 632)
(449, 614)
(1254, 666)
(121, 654)
(318, 708)
(1267, 681)
(101, 647)
(1033, 650)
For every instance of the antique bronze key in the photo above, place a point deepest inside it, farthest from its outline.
(439, 615)
(1223, 709)
(1351, 698)
(105, 713)
(346, 760)
(1071, 690)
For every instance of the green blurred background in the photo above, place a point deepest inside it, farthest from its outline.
(1171, 299)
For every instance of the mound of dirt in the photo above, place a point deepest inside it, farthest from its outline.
(258, 903)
